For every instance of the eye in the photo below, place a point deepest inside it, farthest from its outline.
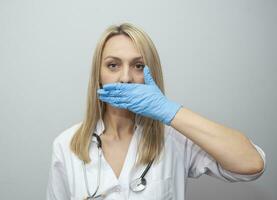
(112, 65)
(140, 66)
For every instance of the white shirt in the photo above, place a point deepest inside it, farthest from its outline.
(180, 159)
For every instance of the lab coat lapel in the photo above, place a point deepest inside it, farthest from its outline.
(130, 158)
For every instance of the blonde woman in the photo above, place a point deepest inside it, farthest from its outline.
(134, 143)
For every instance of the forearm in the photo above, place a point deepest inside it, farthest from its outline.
(232, 149)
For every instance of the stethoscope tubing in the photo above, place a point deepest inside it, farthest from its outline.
(100, 154)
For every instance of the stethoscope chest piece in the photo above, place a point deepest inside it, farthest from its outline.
(138, 184)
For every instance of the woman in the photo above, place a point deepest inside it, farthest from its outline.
(134, 143)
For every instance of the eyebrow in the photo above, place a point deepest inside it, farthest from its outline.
(116, 58)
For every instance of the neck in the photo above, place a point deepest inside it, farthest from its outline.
(119, 123)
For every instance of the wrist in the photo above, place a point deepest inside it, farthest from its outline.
(171, 109)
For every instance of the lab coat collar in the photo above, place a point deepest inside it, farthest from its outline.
(100, 126)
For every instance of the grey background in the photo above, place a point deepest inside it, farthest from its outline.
(218, 57)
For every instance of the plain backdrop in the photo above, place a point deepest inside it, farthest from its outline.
(218, 59)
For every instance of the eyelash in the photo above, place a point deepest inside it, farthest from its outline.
(135, 65)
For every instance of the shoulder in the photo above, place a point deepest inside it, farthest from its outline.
(62, 141)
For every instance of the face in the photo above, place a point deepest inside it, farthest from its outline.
(121, 62)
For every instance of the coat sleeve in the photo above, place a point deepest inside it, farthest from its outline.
(200, 162)
(57, 187)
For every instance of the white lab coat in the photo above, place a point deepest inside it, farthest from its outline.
(166, 180)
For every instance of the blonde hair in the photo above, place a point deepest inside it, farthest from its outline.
(152, 139)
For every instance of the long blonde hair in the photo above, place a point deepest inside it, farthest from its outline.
(152, 139)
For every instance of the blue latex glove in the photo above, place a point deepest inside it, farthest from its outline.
(144, 99)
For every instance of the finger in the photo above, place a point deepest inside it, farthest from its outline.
(120, 105)
(102, 91)
(117, 102)
(109, 93)
(112, 93)
(110, 99)
(148, 80)
(115, 93)
(112, 86)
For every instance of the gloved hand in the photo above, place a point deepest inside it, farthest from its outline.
(144, 99)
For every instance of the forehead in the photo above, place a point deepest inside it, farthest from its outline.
(120, 45)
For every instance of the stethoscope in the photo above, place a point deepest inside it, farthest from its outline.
(136, 185)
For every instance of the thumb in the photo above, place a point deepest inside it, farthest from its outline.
(148, 80)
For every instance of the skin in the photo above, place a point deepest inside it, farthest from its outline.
(231, 148)
(119, 123)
